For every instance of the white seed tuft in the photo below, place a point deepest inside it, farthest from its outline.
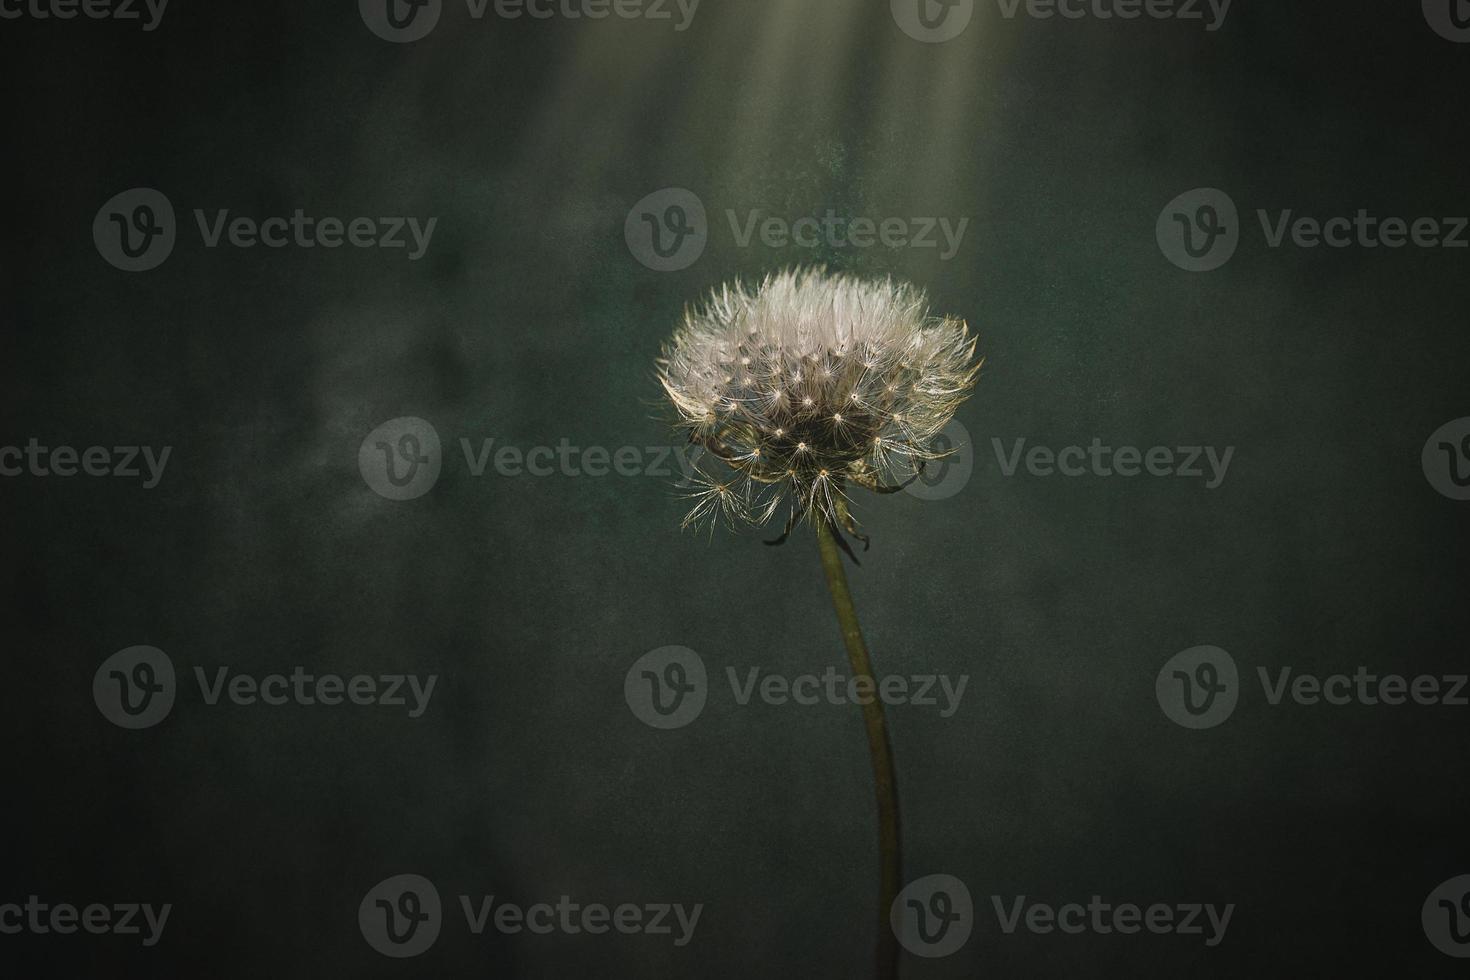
(867, 420)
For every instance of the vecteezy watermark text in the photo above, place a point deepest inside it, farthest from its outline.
(835, 231)
(136, 688)
(137, 231)
(831, 687)
(569, 459)
(302, 687)
(125, 462)
(1098, 459)
(1200, 230)
(99, 919)
(669, 230)
(1103, 918)
(150, 12)
(668, 688)
(404, 21)
(402, 459)
(403, 915)
(1200, 687)
(937, 21)
(933, 917)
(1211, 12)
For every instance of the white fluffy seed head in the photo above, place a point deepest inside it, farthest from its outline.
(810, 383)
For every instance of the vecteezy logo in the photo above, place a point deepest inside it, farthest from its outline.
(134, 688)
(942, 478)
(1446, 459)
(401, 21)
(1199, 687)
(401, 916)
(667, 687)
(1449, 18)
(401, 458)
(933, 916)
(1199, 230)
(135, 231)
(1446, 917)
(667, 230)
(933, 21)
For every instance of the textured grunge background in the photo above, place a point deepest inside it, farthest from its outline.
(530, 320)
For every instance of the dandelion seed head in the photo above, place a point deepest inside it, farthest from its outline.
(874, 378)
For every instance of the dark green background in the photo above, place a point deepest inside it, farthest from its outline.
(529, 321)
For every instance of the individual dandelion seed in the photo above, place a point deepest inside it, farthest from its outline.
(801, 388)
(813, 383)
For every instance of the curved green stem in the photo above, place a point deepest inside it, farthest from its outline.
(879, 748)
